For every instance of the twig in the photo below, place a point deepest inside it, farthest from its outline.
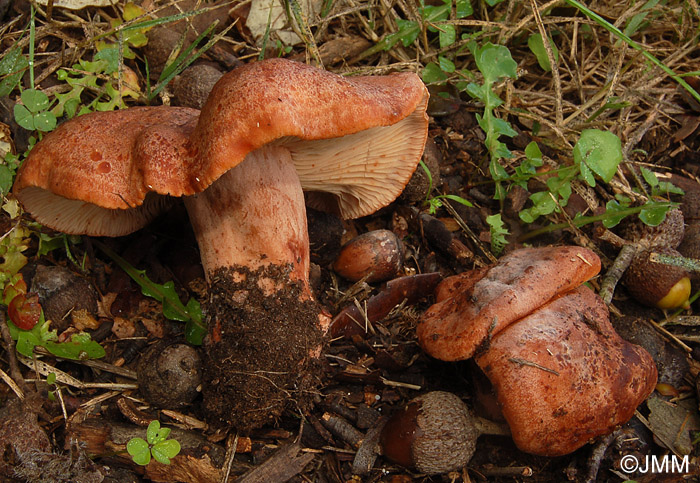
(524, 362)
(342, 429)
(13, 385)
(615, 272)
(15, 373)
(231, 447)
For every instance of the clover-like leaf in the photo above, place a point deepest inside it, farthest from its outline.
(23, 117)
(35, 100)
(139, 450)
(152, 431)
(165, 450)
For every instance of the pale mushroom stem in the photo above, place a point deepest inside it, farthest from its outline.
(254, 216)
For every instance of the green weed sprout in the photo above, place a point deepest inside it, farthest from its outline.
(495, 63)
(435, 202)
(173, 308)
(156, 444)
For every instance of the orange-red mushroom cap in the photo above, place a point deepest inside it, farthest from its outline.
(93, 173)
(355, 141)
(524, 280)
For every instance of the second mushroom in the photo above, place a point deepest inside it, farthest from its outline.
(562, 375)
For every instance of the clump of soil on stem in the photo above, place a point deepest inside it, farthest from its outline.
(258, 354)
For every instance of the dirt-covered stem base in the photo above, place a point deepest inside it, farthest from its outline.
(264, 331)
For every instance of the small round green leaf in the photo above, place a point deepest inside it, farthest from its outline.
(165, 450)
(139, 451)
(45, 121)
(23, 117)
(34, 100)
(152, 431)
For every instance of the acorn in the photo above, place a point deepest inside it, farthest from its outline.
(668, 233)
(434, 433)
(375, 256)
(170, 374)
(192, 87)
(658, 284)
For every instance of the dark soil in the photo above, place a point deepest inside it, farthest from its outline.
(249, 379)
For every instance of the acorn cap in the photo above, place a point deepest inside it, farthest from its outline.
(434, 433)
(668, 233)
(650, 283)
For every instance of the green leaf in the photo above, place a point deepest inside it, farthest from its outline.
(446, 64)
(653, 213)
(601, 151)
(45, 121)
(152, 431)
(503, 128)
(587, 175)
(195, 330)
(162, 435)
(408, 31)
(649, 176)
(637, 21)
(477, 91)
(463, 8)
(495, 62)
(613, 214)
(80, 347)
(12, 67)
(432, 74)
(165, 450)
(6, 177)
(537, 47)
(23, 117)
(447, 36)
(498, 233)
(110, 57)
(139, 451)
(533, 154)
(35, 100)
(26, 341)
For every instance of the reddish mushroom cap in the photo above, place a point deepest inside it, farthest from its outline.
(358, 139)
(524, 280)
(564, 376)
(92, 174)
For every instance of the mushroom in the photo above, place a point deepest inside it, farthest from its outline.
(268, 130)
(561, 373)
